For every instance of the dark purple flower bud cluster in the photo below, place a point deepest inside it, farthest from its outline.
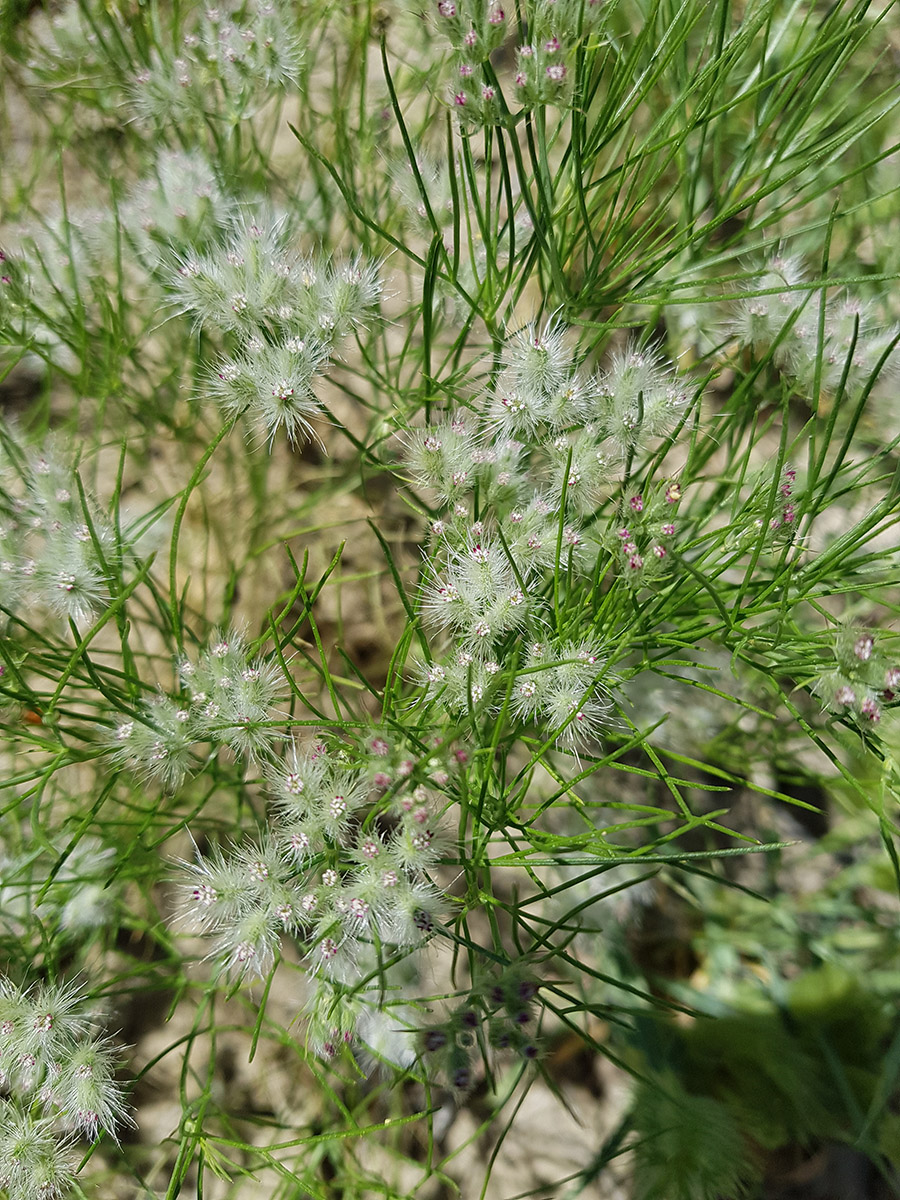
(496, 1017)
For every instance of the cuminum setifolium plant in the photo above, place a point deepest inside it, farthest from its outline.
(449, 579)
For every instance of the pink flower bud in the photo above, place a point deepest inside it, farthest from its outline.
(863, 646)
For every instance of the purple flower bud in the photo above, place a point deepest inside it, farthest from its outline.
(434, 1039)
(423, 920)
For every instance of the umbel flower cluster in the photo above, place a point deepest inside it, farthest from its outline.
(544, 61)
(231, 52)
(179, 206)
(227, 60)
(524, 483)
(59, 1080)
(234, 268)
(863, 678)
(52, 283)
(785, 312)
(228, 700)
(341, 866)
(57, 549)
(285, 314)
(68, 888)
(497, 1016)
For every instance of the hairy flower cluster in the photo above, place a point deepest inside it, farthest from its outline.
(275, 382)
(230, 702)
(541, 394)
(67, 48)
(488, 607)
(537, 466)
(560, 687)
(230, 60)
(639, 399)
(475, 30)
(543, 72)
(69, 890)
(787, 311)
(336, 867)
(56, 546)
(178, 208)
(436, 180)
(60, 1079)
(49, 283)
(540, 388)
(287, 313)
(863, 677)
(477, 596)
(641, 537)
